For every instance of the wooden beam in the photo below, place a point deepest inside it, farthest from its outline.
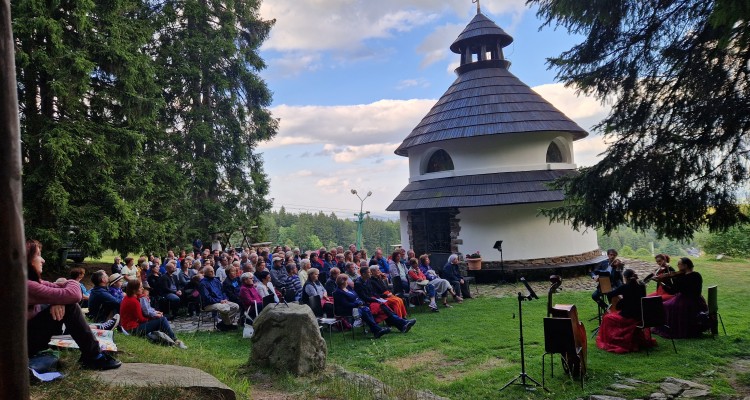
(14, 372)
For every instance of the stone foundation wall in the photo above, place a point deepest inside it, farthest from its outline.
(549, 262)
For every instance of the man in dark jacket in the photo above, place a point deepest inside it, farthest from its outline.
(231, 286)
(345, 301)
(214, 299)
(169, 295)
(101, 303)
(452, 274)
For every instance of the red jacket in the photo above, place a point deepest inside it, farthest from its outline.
(130, 313)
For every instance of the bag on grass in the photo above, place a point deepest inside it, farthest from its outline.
(248, 330)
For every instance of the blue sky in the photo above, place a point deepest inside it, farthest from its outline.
(351, 78)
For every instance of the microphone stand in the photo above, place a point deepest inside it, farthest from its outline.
(523, 376)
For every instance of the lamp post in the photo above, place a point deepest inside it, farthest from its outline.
(360, 216)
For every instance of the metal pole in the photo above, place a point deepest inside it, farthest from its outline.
(14, 366)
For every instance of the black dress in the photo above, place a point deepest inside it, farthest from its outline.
(681, 311)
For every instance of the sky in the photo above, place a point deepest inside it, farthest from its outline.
(352, 78)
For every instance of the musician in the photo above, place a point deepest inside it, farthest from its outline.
(619, 332)
(681, 311)
(662, 260)
(611, 267)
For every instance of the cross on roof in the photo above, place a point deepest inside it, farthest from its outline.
(479, 10)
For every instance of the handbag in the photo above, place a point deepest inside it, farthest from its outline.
(248, 331)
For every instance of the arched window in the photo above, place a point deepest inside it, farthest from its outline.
(554, 155)
(439, 161)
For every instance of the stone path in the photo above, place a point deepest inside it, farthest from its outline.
(580, 283)
(670, 388)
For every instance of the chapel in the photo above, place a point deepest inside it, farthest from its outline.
(480, 162)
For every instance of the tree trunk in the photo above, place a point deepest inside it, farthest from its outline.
(14, 373)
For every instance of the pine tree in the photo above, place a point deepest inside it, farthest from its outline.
(215, 108)
(677, 71)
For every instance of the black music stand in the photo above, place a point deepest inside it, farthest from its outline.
(523, 376)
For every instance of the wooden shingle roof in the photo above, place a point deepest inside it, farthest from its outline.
(480, 190)
(480, 27)
(488, 101)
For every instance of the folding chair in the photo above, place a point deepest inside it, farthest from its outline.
(713, 311)
(605, 286)
(559, 339)
(652, 316)
(203, 313)
(314, 303)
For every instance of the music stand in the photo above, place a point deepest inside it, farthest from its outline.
(523, 376)
(499, 247)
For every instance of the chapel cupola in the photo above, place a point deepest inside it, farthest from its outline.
(481, 45)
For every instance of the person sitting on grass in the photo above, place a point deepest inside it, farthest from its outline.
(214, 299)
(379, 287)
(52, 305)
(345, 301)
(102, 304)
(77, 274)
(380, 311)
(115, 286)
(417, 281)
(135, 323)
(144, 297)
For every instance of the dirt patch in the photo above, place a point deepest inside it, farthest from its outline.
(738, 374)
(430, 358)
(458, 374)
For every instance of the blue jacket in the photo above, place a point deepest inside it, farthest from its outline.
(452, 273)
(211, 292)
(345, 301)
(383, 265)
(100, 297)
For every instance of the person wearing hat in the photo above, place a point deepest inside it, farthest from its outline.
(115, 286)
(101, 302)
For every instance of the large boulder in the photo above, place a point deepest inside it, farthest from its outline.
(288, 339)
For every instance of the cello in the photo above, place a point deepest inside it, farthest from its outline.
(572, 364)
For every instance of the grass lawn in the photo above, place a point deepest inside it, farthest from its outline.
(468, 352)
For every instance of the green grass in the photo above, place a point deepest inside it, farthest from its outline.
(470, 352)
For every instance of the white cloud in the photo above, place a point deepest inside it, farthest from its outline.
(343, 27)
(410, 83)
(384, 121)
(350, 154)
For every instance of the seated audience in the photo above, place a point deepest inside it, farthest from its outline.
(102, 305)
(452, 273)
(129, 271)
(115, 286)
(442, 286)
(304, 267)
(619, 332)
(231, 285)
(77, 274)
(214, 299)
(330, 284)
(378, 307)
(191, 295)
(397, 269)
(280, 279)
(313, 287)
(417, 281)
(250, 299)
(135, 323)
(682, 311)
(52, 305)
(265, 287)
(169, 294)
(117, 266)
(345, 301)
(294, 281)
(184, 274)
(144, 297)
(379, 287)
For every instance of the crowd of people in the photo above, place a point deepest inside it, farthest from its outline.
(142, 296)
(684, 308)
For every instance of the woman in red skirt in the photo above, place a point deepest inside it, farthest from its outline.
(619, 332)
